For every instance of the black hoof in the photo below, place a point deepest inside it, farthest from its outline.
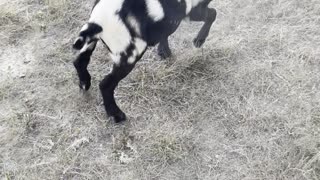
(198, 42)
(164, 53)
(120, 117)
(85, 82)
(85, 85)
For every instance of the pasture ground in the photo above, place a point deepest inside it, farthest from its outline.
(245, 106)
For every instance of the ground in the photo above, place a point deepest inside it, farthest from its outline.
(245, 106)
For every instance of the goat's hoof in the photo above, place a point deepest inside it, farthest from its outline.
(198, 42)
(164, 53)
(85, 85)
(120, 117)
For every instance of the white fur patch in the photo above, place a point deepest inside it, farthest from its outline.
(133, 22)
(85, 27)
(187, 19)
(155, 10)
(191, 4)
(115, 34)
(115, 58)
(132, 59)
(87, 47)
(140, 46)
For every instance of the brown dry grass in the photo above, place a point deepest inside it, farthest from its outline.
(245, 106)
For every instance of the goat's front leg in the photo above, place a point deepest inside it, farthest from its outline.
(163, 48)
(208, 15)
(81, 64)
(107, 87)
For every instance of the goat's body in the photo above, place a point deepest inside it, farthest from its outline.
(136, 18)
(128, 27)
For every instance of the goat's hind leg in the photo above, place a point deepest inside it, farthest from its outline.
(163, 49)
(122, 67)
(206, 14)
(107, 87)
(81, 64)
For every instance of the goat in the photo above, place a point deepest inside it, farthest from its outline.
(127, 28)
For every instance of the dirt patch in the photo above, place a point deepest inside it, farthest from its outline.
(16, 62)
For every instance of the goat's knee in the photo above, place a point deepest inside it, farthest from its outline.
(209, 18)
(104, 83)
(211, 14)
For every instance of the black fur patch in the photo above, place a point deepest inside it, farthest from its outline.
(91, 31)
(152, 32)
(136, 8)
(79, 43)
(87, 35)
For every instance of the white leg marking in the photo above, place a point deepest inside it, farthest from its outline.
(85, 27)
(115, 58)
(187, 19)
(87, 47)
(134, 24)
(155, 10)
(140, 46)
(91, 46)
(78, 39)
(191, 4)
(132, 59)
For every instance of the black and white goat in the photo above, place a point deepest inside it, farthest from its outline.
(127, 28)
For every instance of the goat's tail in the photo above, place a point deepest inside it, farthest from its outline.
(87, 34)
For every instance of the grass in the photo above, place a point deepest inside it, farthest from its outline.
(245, 106)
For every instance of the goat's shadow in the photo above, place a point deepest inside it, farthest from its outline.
(173, 79)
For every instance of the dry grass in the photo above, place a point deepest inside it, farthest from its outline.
(246, 106)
